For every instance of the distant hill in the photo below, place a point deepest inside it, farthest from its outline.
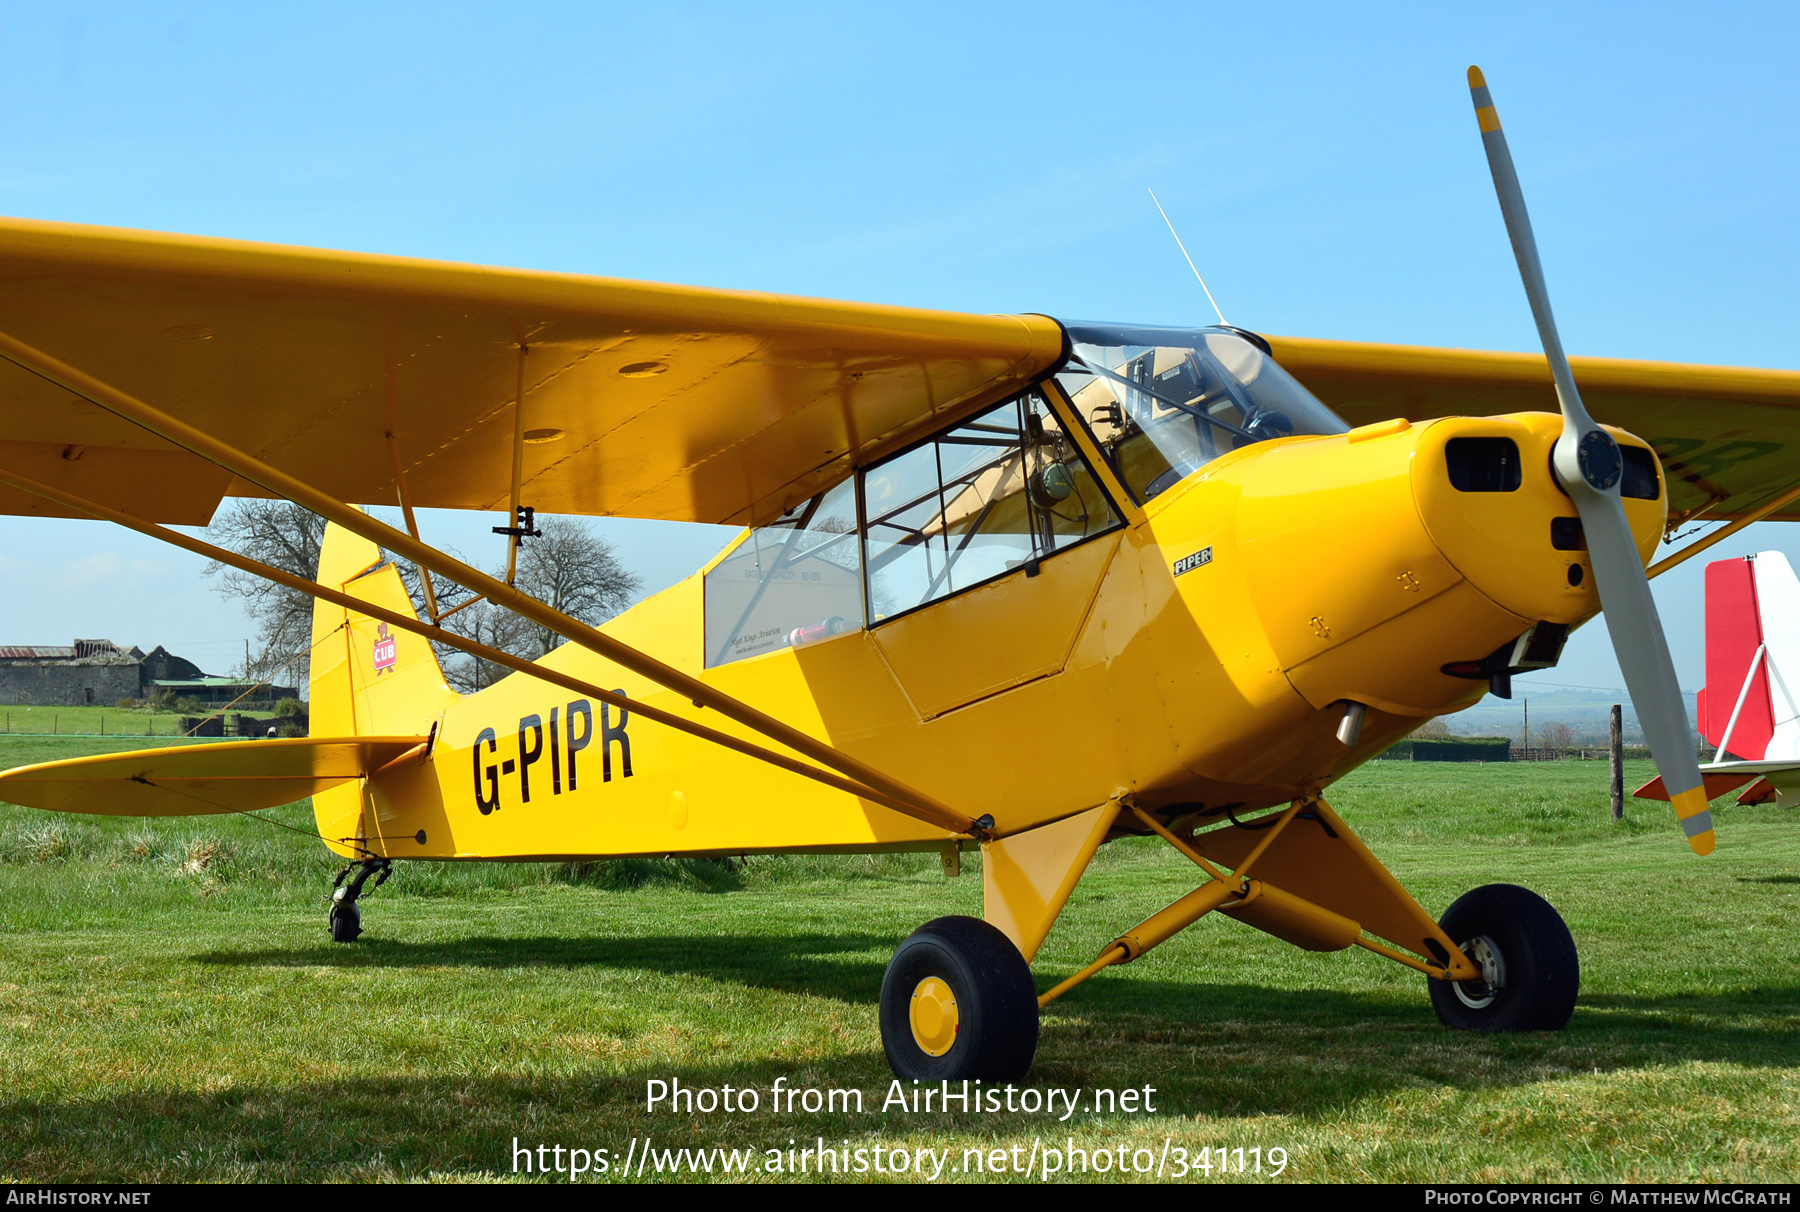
(1586, 712)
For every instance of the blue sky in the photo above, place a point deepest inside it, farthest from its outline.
(1320, 160)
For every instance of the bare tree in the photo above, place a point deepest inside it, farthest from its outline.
(1556, 735)
(1432, 727)
(568, 568)
(284, 535)
(487, 624)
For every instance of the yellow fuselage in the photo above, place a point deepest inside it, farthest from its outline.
(1202, 653)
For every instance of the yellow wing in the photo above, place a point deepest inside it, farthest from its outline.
(641, 400)
(201, 780)
(1729, 438)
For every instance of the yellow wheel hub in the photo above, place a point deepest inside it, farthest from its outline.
(933, 1017)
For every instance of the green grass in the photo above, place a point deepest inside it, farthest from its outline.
(170, 1008)
(137, 722)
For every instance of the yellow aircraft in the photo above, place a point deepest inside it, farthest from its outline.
(1005, 583)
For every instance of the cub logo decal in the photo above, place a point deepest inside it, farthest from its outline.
(385, 654)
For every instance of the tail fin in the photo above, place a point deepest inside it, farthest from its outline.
(1752, 608)
(368, 679)
(1734, 637)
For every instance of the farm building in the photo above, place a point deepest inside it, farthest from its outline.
(101, 672)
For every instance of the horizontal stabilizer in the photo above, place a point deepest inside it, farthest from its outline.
(201, 780)
(1716, 785)
(1762, 791)
(1722, 778)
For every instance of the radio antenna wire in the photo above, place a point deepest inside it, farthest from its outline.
(1190, 260)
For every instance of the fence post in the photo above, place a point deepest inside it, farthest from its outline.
(1618, 763)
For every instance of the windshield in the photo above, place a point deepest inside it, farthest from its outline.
(1163, 402)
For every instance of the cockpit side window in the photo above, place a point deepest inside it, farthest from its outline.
(793, 582)
(993, 495)
(1165, 402)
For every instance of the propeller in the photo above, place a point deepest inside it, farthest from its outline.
(1589, 467)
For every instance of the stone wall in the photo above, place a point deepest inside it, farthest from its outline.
(68, 684)
(234, 724)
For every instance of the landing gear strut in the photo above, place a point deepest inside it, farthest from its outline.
(345, 919)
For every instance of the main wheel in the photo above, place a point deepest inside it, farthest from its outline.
(1529, 971)
(345, 921)
(958, 1001)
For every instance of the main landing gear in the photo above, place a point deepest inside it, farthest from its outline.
(1529, 971)
(345, 919)
(958, 1001)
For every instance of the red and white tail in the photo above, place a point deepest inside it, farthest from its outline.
(1752, 658)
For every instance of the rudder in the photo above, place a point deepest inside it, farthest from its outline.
(368, 679)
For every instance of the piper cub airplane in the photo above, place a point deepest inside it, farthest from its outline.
(1006, 583)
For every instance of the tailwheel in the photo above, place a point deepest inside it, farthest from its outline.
(1529, 971)
(958, 1001)
(345, 920)
(345, 917)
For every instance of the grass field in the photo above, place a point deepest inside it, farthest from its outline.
(91, 721)
(170, 1007)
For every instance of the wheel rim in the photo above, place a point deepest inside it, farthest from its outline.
(933, 1016)
(1485, 954)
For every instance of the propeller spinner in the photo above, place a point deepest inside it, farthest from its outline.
(1589, 468)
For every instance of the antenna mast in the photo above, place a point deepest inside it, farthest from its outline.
(1190, 260)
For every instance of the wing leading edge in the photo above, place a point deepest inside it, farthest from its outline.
(644, 400)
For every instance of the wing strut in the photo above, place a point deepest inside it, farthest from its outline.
(518, 525)
(389, 427)
(473, 647)
(1724, 532)
(893, 792)
(412, 524)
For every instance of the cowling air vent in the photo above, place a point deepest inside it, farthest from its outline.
(1483, 464)
(1640, 480)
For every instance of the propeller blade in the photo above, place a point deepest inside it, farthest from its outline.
(1589, 467)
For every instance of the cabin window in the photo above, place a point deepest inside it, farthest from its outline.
(993, 495)
(788, 584)
(989, 497)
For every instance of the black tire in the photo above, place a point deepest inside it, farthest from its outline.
(345, 921)
(996, 1003)
(1539, 973)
